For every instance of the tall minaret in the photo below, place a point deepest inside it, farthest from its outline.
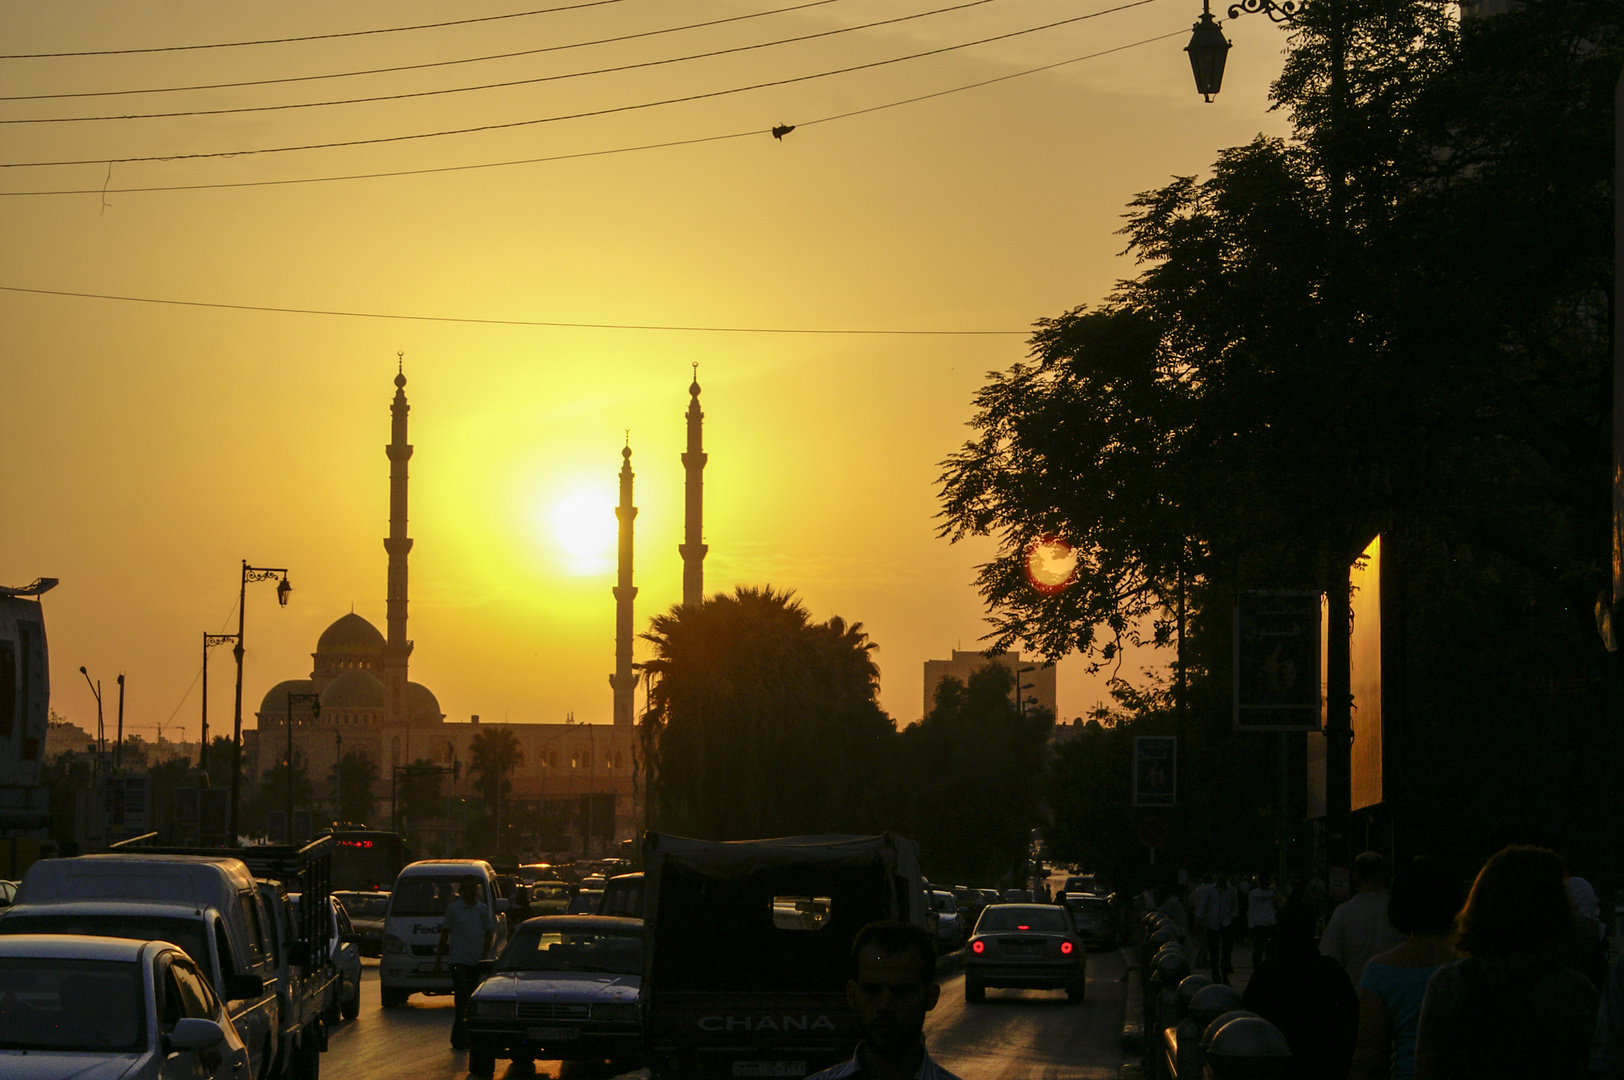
(397, 650)
(693, 552)
(624, 680)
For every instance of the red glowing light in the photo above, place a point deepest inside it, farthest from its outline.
(1023, 928)
(978, 946)
(1065, 948)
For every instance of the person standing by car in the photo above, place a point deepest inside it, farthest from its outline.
(465, 940)
(892, 988)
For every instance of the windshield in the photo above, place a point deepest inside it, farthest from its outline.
(421, 896)
(535, 948)
(48, 1003)
(187, 933)
(360, 905)
(1036, 917)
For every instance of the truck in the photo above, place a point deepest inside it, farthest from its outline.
(748, 943)
(306, 985)
(25, 694)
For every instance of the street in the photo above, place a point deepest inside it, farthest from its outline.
(1026, 1034)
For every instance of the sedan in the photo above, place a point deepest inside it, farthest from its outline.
(1025, 946)
(565, 987)
(366, 911)
(79, 1006)
(1095, 917)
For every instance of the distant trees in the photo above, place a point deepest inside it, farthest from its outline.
(769, 722)
(494, 754)
(418, 792)
(354, 778)
(972, 778)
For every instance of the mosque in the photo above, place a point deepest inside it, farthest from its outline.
(576, 790)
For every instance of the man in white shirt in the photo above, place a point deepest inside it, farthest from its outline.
(1222, 911)
(468, 929)
(1358, 929)
(1201, 898)
(1261, 919)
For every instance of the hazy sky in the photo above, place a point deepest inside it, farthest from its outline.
(147, 448)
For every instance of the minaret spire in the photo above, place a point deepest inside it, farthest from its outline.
(397, 649)
(624, 680)
(694, 549)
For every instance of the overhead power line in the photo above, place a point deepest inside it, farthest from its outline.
(508, 322)
(511, 82)
(595, 153)
(424, 66)
(584, 114)
(311, 37)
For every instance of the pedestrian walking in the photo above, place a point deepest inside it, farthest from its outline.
(1200, 907)
(1510, 1009)
(1423, 904)
(1261, 918)
(1359, 928)
(1225, 910)
(1170, 905)
(466, 934)
(1307, 996)
(892, 987)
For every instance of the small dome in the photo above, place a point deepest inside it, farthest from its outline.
(351, 634)
(421, 704)
(355, 689)
(276, 698)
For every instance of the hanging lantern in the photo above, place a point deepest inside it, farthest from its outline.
(1208, 49)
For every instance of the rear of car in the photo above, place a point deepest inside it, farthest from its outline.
(1026, 947)
(366, 911)
(1095, 918)
(565, 987)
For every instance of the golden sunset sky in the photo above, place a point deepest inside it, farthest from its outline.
(148, 447)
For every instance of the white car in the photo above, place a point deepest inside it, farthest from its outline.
(96, 1007)
(344, 953)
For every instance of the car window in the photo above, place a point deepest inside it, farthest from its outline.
(169, 999)
(617, 952)
(1023, 918)
(423, 896)
(88, 1006)
(196, 1001)
(256, 928)
(345, 927)
(187, 933)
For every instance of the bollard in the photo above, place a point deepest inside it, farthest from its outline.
(1248, 1048)
(1188, 987)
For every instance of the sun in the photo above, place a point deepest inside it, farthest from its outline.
(585, 530)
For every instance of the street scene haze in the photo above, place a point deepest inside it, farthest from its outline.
(809, 538)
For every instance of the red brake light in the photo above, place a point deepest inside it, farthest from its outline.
(1023, 928)
(978, 946)
(1065, 948)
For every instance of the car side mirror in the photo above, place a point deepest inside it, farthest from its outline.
(193, 1033)
(242, 987)
(503, 906)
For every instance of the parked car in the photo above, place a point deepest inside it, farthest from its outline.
(1025, 946)
(1095, 918)
(1081, 883)
(83, 1006)
(950, 931)
(366, 911)
(549, 897)
(565, 987)
(1017, 896)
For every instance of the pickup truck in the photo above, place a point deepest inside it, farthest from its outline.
(747, 948)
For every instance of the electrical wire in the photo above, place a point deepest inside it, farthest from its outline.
(589, 153)
(508, 322)
(429, 64)
(585, 114)
(503, 85)
(311, 37)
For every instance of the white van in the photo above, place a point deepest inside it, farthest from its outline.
(411, 929)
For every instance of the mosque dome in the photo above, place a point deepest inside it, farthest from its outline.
(351, 635)
(276, 698)
(421, 704)
(355, 689)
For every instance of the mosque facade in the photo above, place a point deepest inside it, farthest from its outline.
(576, 788)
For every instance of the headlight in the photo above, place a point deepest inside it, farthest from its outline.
(393, 944)
(625, 1013)
(495, 1008)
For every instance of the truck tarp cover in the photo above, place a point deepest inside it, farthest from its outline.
(712, 925)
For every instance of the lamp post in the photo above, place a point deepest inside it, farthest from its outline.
(101, 744)
(249, 573)
(209, 642)
(118, 747)
(315, 711)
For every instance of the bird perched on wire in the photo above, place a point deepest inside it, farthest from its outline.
(780, 130)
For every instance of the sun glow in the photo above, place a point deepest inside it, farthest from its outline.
(585, 529)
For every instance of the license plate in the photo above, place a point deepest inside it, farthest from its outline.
(552, 1034)
(1024, 950)
(769, 1068)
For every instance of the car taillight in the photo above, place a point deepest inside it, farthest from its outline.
(978, 946)
(1065, 948)
(1023, 928)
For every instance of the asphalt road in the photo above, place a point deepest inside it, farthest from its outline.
(1014, 1035)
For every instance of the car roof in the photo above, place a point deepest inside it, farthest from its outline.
(1022, 907)
(434, 865)
(107, 907)
(585, 922)
(73, 947)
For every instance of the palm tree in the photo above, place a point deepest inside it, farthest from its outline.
(496, 753)
(354, 779)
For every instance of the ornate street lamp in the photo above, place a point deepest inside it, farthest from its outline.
(209, 642)
(249, 573)
(1208, 50)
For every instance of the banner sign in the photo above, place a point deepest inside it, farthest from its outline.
(1155, 770)
(1277, 661)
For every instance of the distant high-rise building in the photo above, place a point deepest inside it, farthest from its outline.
(693, 548)
(1038, 683)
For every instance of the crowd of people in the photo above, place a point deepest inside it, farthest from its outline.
(1418, 976)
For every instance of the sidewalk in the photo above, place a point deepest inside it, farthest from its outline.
(1134, 1037)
